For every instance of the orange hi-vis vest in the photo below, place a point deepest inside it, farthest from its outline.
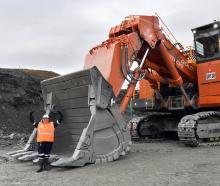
(45, 132)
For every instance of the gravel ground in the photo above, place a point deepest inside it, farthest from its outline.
(152, 164)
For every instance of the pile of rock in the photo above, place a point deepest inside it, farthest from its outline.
(20, 93)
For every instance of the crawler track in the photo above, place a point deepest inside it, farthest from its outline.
(151, 125)
(199, 129)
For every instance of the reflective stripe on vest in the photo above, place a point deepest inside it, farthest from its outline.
(45, 132)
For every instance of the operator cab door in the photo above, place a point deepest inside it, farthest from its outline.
(207, 45)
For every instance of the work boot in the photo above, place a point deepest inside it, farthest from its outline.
(41, 164)
(46, 164)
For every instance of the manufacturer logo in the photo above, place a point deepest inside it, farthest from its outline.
(210, 76)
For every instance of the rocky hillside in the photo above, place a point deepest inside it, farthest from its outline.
(20, 93)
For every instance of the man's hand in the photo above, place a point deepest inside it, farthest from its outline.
(60, 117)
(32, 118)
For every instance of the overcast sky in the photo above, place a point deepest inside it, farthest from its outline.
(56, 34)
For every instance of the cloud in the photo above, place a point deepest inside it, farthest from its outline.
(57, 34)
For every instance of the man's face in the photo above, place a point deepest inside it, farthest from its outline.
(45, 120)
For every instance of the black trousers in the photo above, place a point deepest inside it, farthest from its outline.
(44, 149)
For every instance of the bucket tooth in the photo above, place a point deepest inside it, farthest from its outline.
(15, 152)
(28, 157)
(68, 162)
(30, 145)
(22, 154)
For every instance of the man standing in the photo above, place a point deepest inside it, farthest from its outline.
(45, 140)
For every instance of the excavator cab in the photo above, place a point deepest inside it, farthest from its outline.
(207, 46)
(207, 43)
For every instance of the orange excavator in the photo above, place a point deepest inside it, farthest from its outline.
(190, 109)
(183, 83)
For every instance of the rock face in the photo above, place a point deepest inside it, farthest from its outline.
(20, 93)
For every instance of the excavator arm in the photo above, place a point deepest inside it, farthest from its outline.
(141, 39)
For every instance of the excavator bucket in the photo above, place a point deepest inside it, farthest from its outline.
(93, 129)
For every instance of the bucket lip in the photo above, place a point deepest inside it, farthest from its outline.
(44, 82)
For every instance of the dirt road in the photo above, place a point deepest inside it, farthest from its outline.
(151, 164)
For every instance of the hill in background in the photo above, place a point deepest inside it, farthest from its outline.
(20, 93)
